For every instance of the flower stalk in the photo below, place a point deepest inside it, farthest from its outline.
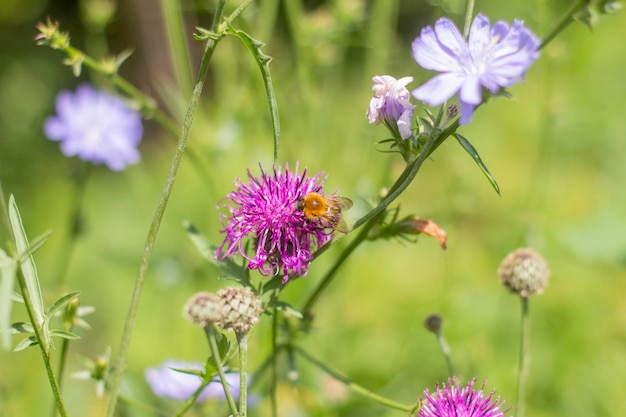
(209, 330)
(352, 385)
(158, 215)
(523, 358)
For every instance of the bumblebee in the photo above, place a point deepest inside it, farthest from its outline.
(325, 211)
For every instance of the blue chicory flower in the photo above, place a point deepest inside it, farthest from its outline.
(492, 57)
(166, 382)
(391, 104)
(95, 126)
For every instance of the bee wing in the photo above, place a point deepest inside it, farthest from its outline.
(345, 203)
(342, 226)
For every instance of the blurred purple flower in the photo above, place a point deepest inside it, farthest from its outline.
(95, 126)
(449, 401)
(391, 104)
(265, 209)
(168, 383)
(492, 58)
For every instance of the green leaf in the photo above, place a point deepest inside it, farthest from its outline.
(64, 334)
(474, 154)
(285, 308)
(263, 61)
(28, 342)
(60, 303)
(27, 264)
(227, 266)
(8, 268)
(22, 327)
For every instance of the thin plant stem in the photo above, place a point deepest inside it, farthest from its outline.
(445, 351)
(274, 365)
(242, 342)
(469, 13)
(61, 366)
(523, 358)
(194, 397)
(217, 360)
(564, 22)
(158, 216)
(43, 346)
(75, 220)
(174, 25)
(372, 217)
(352, 385)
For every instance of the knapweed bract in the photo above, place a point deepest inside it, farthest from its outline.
(96, 126)
(492, 57)
(265, 211)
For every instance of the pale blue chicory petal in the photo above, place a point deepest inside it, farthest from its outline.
(166, 382)
(95, 126)
(492, 57)
(391, 104)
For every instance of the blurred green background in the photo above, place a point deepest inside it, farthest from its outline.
(556, 149)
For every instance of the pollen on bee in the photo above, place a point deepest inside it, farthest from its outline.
(314, 205)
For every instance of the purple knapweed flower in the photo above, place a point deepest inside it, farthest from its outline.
(391, 104)
(492, 57)
(95, 126)
(450, 401)
(265, 209)
(167, 382)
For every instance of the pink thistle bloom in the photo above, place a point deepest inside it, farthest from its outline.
(450, 401)
(391, 104)
(492, 57)
(265, 210)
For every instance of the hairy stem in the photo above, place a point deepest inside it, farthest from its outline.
(158, 216)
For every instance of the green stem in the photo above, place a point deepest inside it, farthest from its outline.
(564, 22)
(65, 343)
(174, 25)
(523, 358)
(352, 385)
(242, 342)
(80, 184)
(194, 397)
(371, 218)
(43, 347)
(274, 365)
(217, 359)
(445, 351)
(469, 13)
(158, 216)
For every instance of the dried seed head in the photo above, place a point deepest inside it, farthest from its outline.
(204, 308)
(241, 309)
(524, 272)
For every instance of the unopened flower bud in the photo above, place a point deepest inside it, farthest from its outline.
(452, 111)
(204, 308)
(433, 323)
(241, 309)
(524, 272)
